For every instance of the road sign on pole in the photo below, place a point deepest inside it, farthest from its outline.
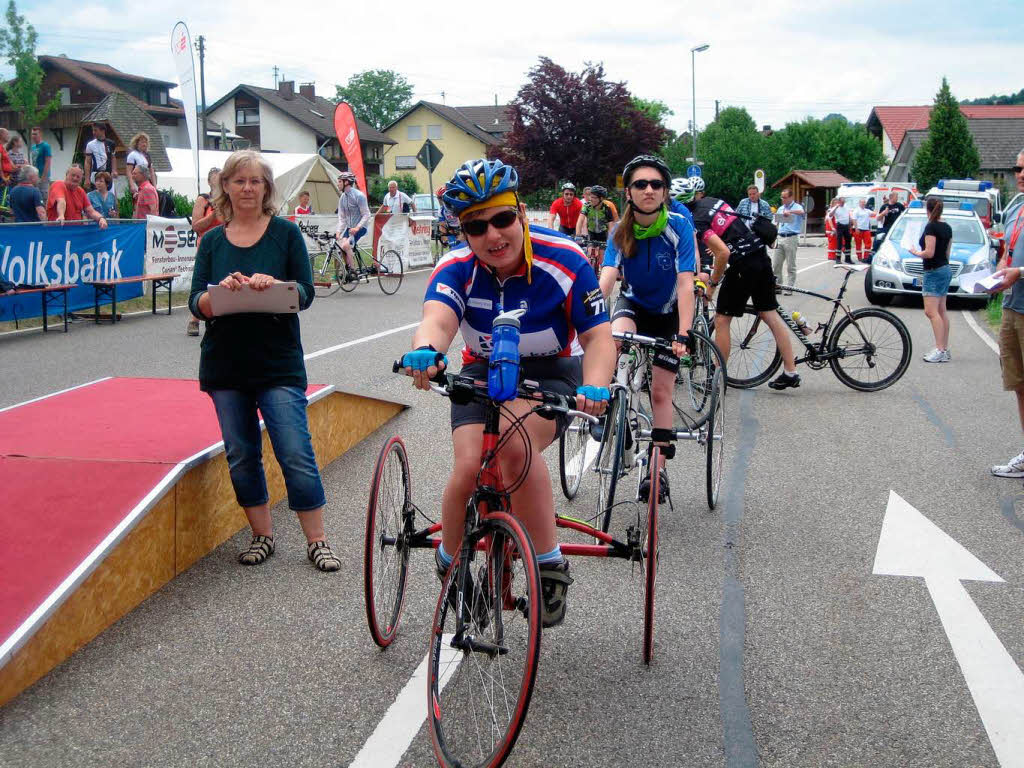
(759, 179)
(429, 155)
(693, 170)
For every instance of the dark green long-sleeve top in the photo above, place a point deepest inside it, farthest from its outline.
(251, 351)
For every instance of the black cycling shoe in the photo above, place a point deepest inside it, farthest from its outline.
(645, 487)
(785, 381)
(481, 611)
(554, 585)
(597, 430)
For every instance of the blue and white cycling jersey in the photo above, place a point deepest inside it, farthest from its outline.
(649, 277)
(562, 302)
(674, 206)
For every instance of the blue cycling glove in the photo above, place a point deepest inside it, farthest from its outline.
(422, 358)
(596, 394)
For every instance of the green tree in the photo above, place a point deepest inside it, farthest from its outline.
(949, 150)
(377, 96)
(378, 186)
(18, 46)
(656, 110)
(825, 145)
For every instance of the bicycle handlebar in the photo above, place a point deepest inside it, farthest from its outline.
(467, 389)
(637, 338)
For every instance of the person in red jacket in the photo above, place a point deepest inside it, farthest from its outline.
(147, 201)
(567, 208)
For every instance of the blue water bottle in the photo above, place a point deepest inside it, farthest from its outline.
(503, 369)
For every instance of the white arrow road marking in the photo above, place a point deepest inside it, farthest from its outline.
(402, 721)
(586, 456)
(912, 545)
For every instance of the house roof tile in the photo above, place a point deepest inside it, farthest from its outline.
(896, 121)
(126, 119)
(814, 178)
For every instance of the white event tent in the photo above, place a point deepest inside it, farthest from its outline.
(293, 173)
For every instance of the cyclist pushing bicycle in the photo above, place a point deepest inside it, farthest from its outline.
(566, 345)
(353, 214)
(742, 266)
(655, 252)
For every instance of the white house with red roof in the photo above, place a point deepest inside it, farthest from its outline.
(890, 124)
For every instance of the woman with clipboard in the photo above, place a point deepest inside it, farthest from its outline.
(253, 360)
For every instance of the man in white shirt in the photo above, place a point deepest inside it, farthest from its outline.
(841, 215)
(789, 217)
(395, 201)
(862, 216)
(99, 154)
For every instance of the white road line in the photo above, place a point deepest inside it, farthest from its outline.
(819, 264)
(395, 732)
(53, 394)
(364, 339)
(969, 317)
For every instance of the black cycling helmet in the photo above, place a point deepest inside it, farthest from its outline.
(649, 161)
(598, 191)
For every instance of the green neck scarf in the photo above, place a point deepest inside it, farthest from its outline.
(655, 229)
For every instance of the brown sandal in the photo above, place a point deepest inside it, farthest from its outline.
(260, 548)
(321, 555)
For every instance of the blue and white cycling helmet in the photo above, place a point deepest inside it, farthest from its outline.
(477, 181)
(682, 189)
(698, 183)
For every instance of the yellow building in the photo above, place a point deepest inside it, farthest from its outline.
(461, 133)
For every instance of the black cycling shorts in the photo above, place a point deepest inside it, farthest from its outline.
(555, 374)
(661, 326)
(748, 279)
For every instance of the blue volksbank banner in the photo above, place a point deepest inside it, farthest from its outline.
(38, 254)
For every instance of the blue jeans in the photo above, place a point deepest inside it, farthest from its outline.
(284, 413)
(935, 282)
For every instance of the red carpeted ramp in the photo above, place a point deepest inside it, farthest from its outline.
(112, 488)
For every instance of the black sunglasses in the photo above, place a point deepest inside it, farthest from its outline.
(1018, 168)
(477, 227)
(641, 184)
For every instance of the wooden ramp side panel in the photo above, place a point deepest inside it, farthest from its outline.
(192, 519)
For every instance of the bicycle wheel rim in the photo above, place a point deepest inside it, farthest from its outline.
(385, 563)
(650, 554)
(753, 357)
(476, 703)
(389, 272)
(325, 272)
(572, 449)
(694, 382)
(887, 336)
(609, 459)
(715, 446)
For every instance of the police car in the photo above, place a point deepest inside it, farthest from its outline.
(982, 196)
(894, 271)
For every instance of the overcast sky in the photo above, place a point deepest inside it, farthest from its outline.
(781, 60)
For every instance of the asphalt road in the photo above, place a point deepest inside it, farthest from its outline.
(776, 645)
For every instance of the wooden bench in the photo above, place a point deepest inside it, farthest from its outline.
(109, 288)
(48, 295)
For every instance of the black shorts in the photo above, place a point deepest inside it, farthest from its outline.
(661, 326)
(748, 279)
(555, 374)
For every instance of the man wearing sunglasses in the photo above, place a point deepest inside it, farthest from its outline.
(655, 252)
(567, 208)
(1011, 332)
(565, 344)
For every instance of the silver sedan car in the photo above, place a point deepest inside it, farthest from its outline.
(894, 271)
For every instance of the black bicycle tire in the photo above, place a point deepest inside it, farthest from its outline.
(384, 632)
(570, 489)
(615, 441)
(327, 287)
(711, 348)
(715, 450)
(492, 525)
(836, 363)
(390, 272)
(697, 398)
(650, 554)
(751, 381)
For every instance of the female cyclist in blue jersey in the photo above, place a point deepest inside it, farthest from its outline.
(655, 252)
(565, 344)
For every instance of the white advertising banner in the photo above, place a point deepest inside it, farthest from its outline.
(171, 246)
(311, 226)
(410, 236)
(181, 51)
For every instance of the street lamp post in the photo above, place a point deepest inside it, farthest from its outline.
(693, 70)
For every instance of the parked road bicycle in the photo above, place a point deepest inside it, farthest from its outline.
(330, 272)
(594, 249)
(868, 349)
(486, 631)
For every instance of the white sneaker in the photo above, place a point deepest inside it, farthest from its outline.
(936, 356)
(1013, 468)
(946, 356)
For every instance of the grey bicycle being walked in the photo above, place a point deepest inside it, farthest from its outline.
(330, 273)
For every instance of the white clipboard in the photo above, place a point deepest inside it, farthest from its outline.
(279, 298)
